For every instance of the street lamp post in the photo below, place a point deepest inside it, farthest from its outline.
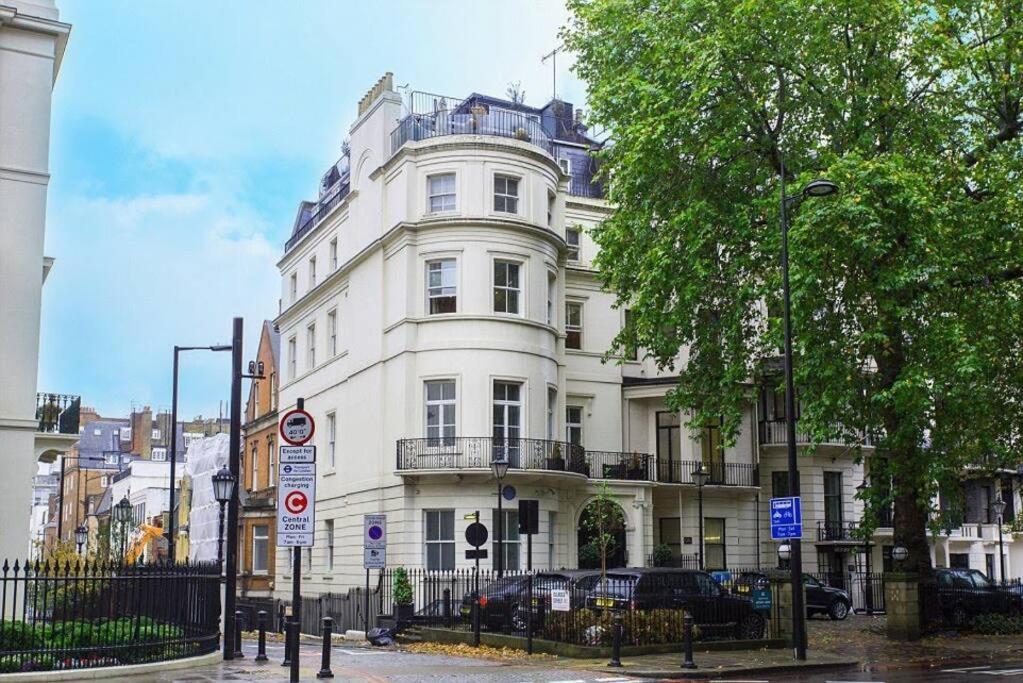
(174, 440)
(81, 536)
(700, 477)
(499, 468)
(122, 515)
(815, 188)
(999, 508)
(223, 490)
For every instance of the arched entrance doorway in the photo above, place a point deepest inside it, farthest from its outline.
(602, 518)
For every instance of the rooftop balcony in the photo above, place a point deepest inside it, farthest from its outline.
(58, 413)
(317, 212)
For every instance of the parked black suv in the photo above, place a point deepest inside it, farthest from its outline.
(966, 593)
(499, 603)
(695, 591)
(578, 583)
(820, 599)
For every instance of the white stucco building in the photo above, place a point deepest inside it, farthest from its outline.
(438, 309)
(32, 41)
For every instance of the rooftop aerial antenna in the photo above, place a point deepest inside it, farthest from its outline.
(553, 56)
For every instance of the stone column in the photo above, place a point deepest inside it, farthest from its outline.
(902, 604)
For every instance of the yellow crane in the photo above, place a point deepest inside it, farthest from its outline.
(146, 533)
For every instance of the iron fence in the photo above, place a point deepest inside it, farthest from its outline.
(952, 599)
(614, 465)
(58, 413)
(466, 452)
(720, 473)
(89, 614)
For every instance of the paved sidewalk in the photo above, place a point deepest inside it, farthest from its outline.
(712, 664)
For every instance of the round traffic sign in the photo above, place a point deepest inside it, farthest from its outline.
(375, 532)
(297, 427)
(476, 534)
(296, 502)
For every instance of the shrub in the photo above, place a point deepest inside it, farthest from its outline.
(997, 624)
(662, 555)
(596, 627)
(402, 589)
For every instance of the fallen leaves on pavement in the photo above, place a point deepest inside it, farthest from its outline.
(481, 652)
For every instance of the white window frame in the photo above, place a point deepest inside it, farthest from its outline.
(565, 164)
(265, 538)
(310, 350)
(329, 532)
(508, 431)
(574, 250)
(444, 405)
(439, 541)
(511, 292)
(331, 440)
(574, 326)
(443, 206)
(552, 298)
(294, 287)
(104, 481)
(510, 538)
(572, 424)
(333, 255)
(293, 356)
(507, 197)
(312, 272)
(158, 455)
(254, 474)
(444, 266)
(552, 413)
(332, 332)
(272, 463)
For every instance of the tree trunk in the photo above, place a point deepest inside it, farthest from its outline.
(910, 521)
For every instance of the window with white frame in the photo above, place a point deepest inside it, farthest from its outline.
(333, 255)
(260, 548)
(551, 199)
(506, 194)
(331, 440)
(310, 335)
(441, 286)
(254, 473)
(573, 325)
(574, 425)
(332, 332)
(294, 287)
(312, 272)
(552, 297)
(572, 240)
(509, 538)
(104, 481)
(439, 539)
(566, 165)
(292, 358)
(507, 287)
(109, 459)
(271, 461)
(440, 190)
(507, 416)
(160, 454)
(330, 544)
(441, 404)
(552, 413)
(552, 539)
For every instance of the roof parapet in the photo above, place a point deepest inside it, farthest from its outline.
(384, 84)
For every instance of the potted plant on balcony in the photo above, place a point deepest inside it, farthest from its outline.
(522, 134)
(637, 471)
(402, 592)
(557, 460)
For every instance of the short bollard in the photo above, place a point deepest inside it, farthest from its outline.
(239, 618)
(447, 607)
(287, 642)
(687, 636)
(325, 672)
(616, 642)
(261, 619)
(293, 628)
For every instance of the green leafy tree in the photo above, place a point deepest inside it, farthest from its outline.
(604, 521)
(907, 314)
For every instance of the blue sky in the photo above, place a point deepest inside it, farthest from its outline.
(184, 136)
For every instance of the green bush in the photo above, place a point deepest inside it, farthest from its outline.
(596, 627)
(662, 555)
(402, 589)
(997, 624)
(589, 556)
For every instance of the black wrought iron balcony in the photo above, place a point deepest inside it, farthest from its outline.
(319, 210)
(471, 452)
(774, 433)
(58, 413)
(837, 531)
(614, 465)
(586, 187)
(719, 473)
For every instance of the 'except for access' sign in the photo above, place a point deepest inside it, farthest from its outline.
(786, 518)
(296, 517)
(293, 454)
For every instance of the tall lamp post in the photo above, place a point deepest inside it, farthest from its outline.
(122, 515)
(868, 591)
(700, 477)
(815, 188)
(81, 536)
(174, 440)
(999, 508)
(223, 490)
(500, 468)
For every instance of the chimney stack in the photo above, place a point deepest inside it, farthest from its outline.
(142, 433)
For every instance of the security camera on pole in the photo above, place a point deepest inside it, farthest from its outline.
(296, 509)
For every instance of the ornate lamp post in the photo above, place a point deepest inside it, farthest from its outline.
(223, 489)
(500, 468)
(81, 536)
(700, 477)
(999, 509)
(122, 515)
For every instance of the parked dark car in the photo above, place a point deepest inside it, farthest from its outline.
(578, 583)
(695, 591)
(966, 593)
(499, 603)
(820, 599)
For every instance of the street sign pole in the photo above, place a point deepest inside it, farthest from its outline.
(476, 606)
(296, 592)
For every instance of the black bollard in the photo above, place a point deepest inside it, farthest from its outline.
(261, 619)
(239, 618)
(287, 642)
(687, 627)
(447, 607)
(325, 671)
(616, 643)
(293, 628)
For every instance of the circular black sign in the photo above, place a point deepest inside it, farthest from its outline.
(476, 534)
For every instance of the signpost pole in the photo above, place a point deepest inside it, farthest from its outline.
(296, 609)
(476, 606)
(366, 617)
(529, 610)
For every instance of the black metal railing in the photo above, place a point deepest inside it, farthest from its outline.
(467, 452)
(324, 206)
(966, 600)
(58, 413)
(684, 561)
(613, 465)
(774, 433)
(837, 531)
(719, 473)
(86, 614)
(586, 187)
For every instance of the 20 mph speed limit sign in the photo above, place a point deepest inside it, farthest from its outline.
(296, 493)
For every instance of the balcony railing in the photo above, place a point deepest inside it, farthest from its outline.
(837, 531)
(331, 199)
(613, 465)
(720, 473)
(58, 413)
(583, 187)
(774, 433)
(467, 452)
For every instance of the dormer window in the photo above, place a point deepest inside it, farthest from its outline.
(566, 165)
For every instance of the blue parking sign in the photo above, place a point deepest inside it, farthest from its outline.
(786, 518)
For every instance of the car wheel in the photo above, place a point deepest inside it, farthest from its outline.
(838, 610)
(751, 627)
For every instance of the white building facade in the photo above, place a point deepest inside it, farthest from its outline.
(439, 310)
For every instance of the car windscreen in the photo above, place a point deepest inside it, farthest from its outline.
(617, 585)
